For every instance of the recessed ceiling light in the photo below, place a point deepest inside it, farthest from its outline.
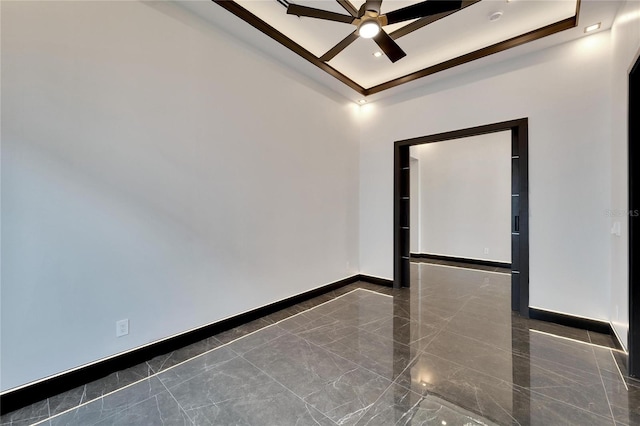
(495, 16)
(377, 54)
(362, 101)
(369, 29)
(592, 27)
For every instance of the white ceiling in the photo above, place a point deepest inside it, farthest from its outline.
(453, 36)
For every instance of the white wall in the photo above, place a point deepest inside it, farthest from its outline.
(147, 175)
(565, 93)
(625, 36)
(465, 197)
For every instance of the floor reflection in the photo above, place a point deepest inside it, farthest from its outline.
(486, 360)
(446, 351)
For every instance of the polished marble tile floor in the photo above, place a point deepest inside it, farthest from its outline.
(447, 351)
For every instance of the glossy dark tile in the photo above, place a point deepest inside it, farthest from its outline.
(447, 350)
(162, 362)
(376, 353)
(104, 408)
(340, 389)
(465, 351)
(536, 409)
(27, 415)
(477, 392)
(160, 409)
(256, 340)
(417, 334)
(98, 388)
(400, 406)
(600, 339)
(201, 364)
(243, 330)
(239, 393)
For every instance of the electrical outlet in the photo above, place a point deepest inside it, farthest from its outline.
(122, 328)
(486, 250)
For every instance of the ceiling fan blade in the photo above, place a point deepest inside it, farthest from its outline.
(346, 4)
(421, 10)
(310, 12)
(340, 46)
(417, 24)
(409, 28)
(388, 46)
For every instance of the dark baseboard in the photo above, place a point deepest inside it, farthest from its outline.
(461, 260)
(44, 389)
(571, 321)
(375, 280)
(616, 340)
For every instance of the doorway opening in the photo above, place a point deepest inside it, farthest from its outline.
(519, 205)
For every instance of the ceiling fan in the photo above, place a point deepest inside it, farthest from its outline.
(369, 21)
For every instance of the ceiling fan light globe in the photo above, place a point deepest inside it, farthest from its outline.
(368, 29)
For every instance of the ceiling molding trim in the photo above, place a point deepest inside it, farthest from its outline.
(267, 29)
(259, 24)
(490, 50)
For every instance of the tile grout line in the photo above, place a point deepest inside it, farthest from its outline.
(374, 292)
(604, 388)
(423, 351)
(521, 387)
(574, 340)
(503, 381)
(190, 359)
(339, 356)
(615, 362)
(361, 366)
(525, 356)
(287, 388)
(565, 403)
(178, 402)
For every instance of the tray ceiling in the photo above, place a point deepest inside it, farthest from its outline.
(436, 44)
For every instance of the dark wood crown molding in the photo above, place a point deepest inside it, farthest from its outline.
(267, 29)
(259, 24)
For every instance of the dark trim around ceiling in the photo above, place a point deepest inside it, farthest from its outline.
(259, 24)
(267, 29)
(478, 54)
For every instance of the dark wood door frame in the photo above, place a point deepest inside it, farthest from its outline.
(519, 205)
(634, 221)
